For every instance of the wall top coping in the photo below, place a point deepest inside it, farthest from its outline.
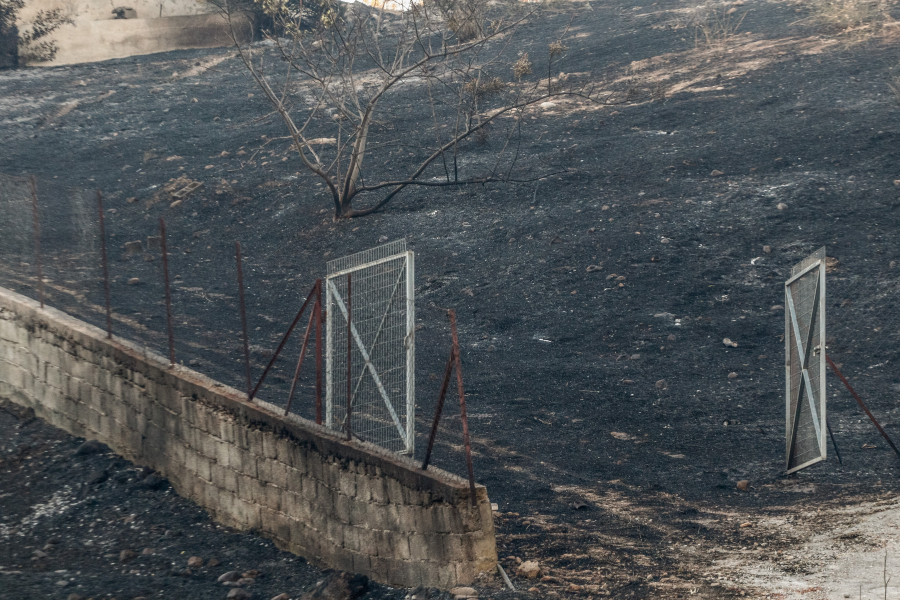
(443, 485)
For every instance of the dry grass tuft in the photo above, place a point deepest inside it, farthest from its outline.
(845, 15)
(716, 26)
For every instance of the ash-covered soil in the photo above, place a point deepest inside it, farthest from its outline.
(606, 424)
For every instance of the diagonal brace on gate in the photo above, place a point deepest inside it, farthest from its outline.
(804, 352)
(365, 354)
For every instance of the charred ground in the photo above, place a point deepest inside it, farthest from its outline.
(606, 425)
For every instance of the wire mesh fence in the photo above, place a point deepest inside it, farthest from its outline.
(370, 327)
(203, 288)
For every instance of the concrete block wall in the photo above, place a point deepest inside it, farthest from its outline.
(349, 506)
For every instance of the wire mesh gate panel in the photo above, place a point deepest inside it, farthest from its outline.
(804, 347)
(382, 341)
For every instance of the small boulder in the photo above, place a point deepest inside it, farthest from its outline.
(229, 576)
(732, 375)
(716, 173)
(134, 281)
(283, 596)
(782, 206)
(339, 586)
(530, 569)
(661, 384)
(91, 447)
(743, 485)
(126, 555)
(195, 562)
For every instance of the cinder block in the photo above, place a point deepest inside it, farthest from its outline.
(246, 460)
(361, 563)
(230, 480)
(285, 451)
(279, 473)
(272, 497)
(347, 483)
(378, 490)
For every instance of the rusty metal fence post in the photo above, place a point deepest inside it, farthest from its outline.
(462, 406)
(37, 239)
(165, 267)
(240, 275)
(105, 266)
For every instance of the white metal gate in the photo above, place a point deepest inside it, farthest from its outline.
(804, 347)
(381, 391)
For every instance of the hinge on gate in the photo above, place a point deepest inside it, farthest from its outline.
(817, 349)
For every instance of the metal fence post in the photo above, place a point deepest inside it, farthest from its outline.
(165, 266)
(462, 406)
(37, 239)
(240, 274)
(349, 357)
(105, 266)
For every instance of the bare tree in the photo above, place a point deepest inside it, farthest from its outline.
(343, 84)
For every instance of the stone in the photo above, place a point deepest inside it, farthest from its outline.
(195, 562)
(671, 337)
(134, 281)
(74, 597)
(782, 206)
(548, 105)
(767, 249)
(574, 588)
(62, 583)
(534, 590)
(196, 363)
(246, 581)
(147, 551)
(592, 589)
(91, 447)
(635, 357)
(251, 574)
(382, 240)
(592, 268)
(126, 555)
(239, 594)
(39, 554)
(743, 485)
(212, 563)
(54, 541)
(98, 477)
(732, 375)
(728, 342)
(283, 596)
(153, 482)
(530, 569)
(229, 576)
(135, 247)
(746, 524)
(338, 586)
(777, 307)
(464, 592)
(661, 384)
(716, 173)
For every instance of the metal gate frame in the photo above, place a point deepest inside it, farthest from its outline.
(805, 360)
(334, 302)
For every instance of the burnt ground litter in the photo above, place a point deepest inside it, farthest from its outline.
(611, 423)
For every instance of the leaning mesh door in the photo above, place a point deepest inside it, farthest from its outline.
(804, 346)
